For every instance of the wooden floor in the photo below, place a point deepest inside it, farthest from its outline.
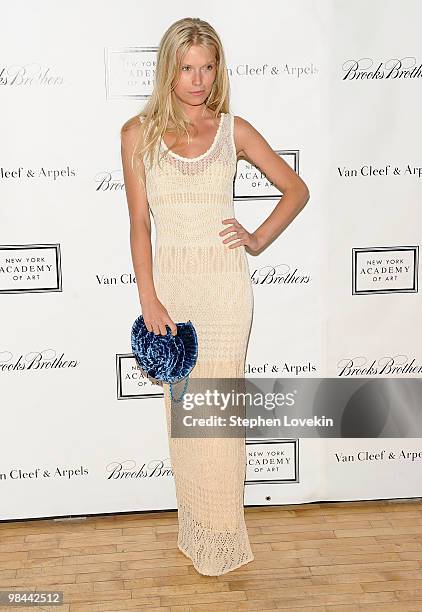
(326, 557)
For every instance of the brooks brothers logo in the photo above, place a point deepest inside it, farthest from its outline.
(28, 268)
(31, 74)
(385, 270)
(47, 359)
(271, 462)
(368, 69)
(390, 364)
(280, 274)
(130, 71)
(154, 468)
(252, 184)
(108, 180)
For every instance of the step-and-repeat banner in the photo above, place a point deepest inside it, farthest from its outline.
(335, 88)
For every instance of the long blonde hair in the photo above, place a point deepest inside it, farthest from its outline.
(162, 112)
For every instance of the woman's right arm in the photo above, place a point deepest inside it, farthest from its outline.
(155, 314)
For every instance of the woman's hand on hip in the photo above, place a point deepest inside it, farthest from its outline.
(241, 235)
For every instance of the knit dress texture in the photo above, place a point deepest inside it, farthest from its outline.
(198, 278)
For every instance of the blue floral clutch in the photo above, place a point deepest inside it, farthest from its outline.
(166, 358)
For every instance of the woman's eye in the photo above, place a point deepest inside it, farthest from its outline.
(210, 67)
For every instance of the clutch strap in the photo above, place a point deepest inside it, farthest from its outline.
(183, 392)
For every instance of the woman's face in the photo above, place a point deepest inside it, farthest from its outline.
(196, 74)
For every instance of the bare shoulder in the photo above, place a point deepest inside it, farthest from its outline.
(243, 132)
(241, 123)
(131, 130)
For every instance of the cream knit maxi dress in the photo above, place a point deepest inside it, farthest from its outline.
(197, 277)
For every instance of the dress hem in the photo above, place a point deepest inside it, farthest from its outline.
(220, 573)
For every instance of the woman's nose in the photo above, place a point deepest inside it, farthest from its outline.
(197, 79)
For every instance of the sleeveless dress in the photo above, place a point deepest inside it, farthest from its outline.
(199, 278)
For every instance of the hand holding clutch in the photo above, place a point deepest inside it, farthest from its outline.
(166, 358)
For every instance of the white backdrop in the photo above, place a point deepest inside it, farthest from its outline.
(83, 432)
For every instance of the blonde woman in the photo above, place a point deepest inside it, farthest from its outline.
(179, 160)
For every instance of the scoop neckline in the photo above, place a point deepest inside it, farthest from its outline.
(210, 148)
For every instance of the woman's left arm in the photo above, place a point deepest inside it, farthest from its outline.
(253, 147)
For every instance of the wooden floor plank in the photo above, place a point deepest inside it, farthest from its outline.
(323, 557)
